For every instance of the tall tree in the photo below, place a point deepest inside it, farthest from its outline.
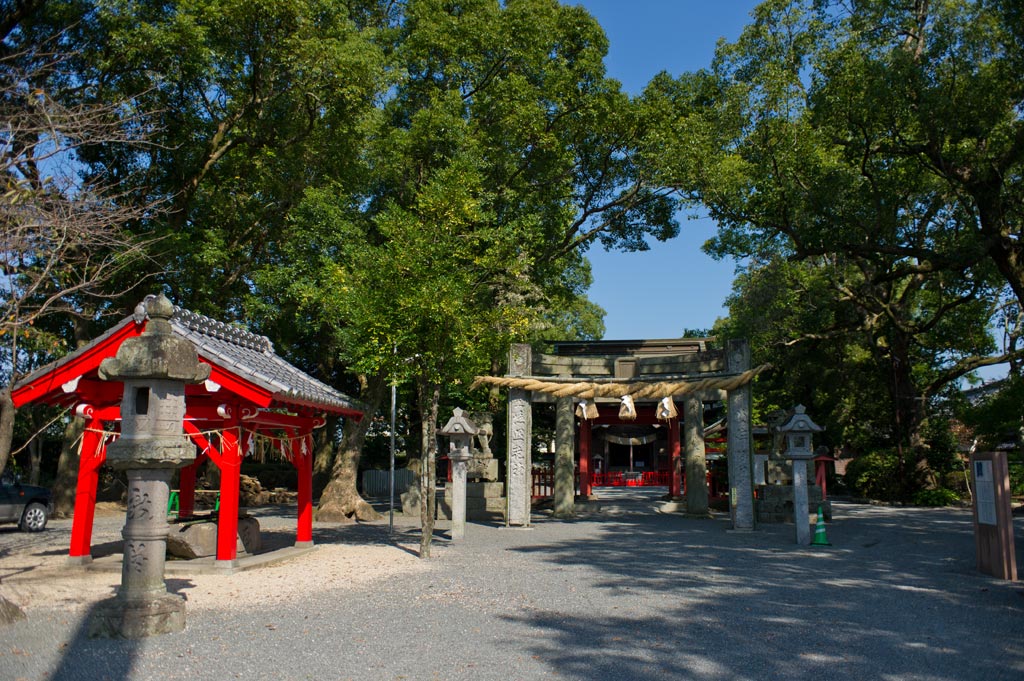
(64, 221)
(506, 108)
(882, 128)
(829, 133)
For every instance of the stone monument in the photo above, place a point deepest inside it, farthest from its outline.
(154, 368)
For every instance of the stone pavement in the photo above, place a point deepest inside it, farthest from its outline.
(625, 593)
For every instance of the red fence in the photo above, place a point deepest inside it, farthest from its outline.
(632, 479)
(544, 480)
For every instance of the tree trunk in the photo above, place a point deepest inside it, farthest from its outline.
(67, 469)
(909, 414)
(6, 426)
(340, 500)
(323, 455)
(429, 399)
(35, 460)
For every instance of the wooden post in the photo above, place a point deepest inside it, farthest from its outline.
(227, 516)
(993, 518)
(585, 433)
(91, 456)
(676, 481)
(302, 455)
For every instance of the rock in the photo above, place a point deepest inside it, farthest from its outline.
(199, 540)
(411, 501)
(250, 492)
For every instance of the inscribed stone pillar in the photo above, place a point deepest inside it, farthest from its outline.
(696, 458)
(459, 458)
(565, 449)
(801, 515)
(518, 470)
(740, 463)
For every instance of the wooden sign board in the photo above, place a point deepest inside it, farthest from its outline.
(993, 521)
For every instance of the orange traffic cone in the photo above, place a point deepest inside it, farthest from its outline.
(819, 531)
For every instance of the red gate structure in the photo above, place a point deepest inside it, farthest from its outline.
(251, 391)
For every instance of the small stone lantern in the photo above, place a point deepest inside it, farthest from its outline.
(154, 368)
(799, 430)
(460, 431)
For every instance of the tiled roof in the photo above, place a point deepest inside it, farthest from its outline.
(252, 357)
(232, 348)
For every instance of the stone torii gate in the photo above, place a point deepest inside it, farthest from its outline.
(648, 374)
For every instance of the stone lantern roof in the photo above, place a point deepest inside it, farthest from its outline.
(797, 420)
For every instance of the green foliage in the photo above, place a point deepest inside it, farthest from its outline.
(875, 475)
(997, 419)
(936, 497)
(831, 145)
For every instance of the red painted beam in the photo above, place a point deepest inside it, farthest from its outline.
(47, 387)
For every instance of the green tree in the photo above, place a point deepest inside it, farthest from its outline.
(819, 136)
(505, 112)
(64, 222)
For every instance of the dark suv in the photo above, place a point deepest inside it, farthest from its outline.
(27, 505)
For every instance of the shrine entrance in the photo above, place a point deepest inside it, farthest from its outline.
(618, 422)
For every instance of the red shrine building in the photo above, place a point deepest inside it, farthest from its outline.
(251, 392)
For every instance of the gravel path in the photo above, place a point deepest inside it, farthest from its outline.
(623, 594)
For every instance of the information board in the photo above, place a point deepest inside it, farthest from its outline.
(985, 492)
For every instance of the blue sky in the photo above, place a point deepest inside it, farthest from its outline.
(673, 286)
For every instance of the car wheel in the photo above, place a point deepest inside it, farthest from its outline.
(34, 518)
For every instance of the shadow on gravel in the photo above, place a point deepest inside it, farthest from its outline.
(896, 597)
(90, 659)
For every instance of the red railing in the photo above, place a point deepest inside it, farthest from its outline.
(632, 479)
(544, 480)
(544, 483)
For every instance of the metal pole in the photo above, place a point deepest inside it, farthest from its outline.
(391, 474)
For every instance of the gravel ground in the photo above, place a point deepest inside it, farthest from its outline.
(626, 593)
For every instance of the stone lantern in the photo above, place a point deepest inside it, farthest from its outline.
(798, 431)
(154, 368)
(460, 431)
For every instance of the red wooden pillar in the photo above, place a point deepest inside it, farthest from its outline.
(675, 484)
(585, 431)
(819, 477)
(227, 517)
(302, 455)
(91, 455)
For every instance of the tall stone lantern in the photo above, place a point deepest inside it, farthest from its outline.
(799, 430)
(460, 431)
(154, 367)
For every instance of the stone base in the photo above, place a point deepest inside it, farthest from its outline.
(775, 504)
(673, 505)
(115, 618)
(200, 540)
(484, 501)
